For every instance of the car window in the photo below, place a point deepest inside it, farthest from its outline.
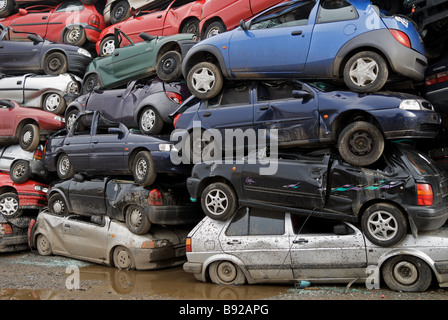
(336, 10)
(104, 124)
(70, 6)
(254, 221)
(231, 97)
(282, 16)
(95, 220)
(180, 3)
(423, 164)
(277, 91)
(304, 225)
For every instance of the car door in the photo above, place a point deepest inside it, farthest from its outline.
(8, 121)
(13, 88)
(66, 14)
(259, 240)
(276, 44)
(34, 20)
(77, 142)
(87, 197)
(326, 248)
(289, 111)
(17, 56)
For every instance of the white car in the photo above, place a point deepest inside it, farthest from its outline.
(258, 246)
(47, 92)
(119, 10)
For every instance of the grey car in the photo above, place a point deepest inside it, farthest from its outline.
(47, 92)
(258, 246)
(105, 241)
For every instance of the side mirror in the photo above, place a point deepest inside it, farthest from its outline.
(23, 12)
(300, 94)
(243, 25)
(34, 37)
(133, 11)
(78, 177)
(97, 89)
(114, 130)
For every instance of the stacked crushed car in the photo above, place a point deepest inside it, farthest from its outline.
(352, 174)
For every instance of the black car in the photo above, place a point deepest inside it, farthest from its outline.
(13, 234)
(40, 56)
(404, 190)
(139, 207)
(98, 146)
(144, 105)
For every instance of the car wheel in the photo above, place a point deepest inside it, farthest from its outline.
(366, 71)
(119, 12)
(57, 205)
(55, 63)
(361, 143)
(20, 171)
(219, 201)
(29, 137)
(384, 224)
(143, 169)
(205, 80)
(6, 8)
(150, 121)
(90, 82)
(203, 147)
(123, 258)
(169, 66)
(43, 245)
(191, 26)
(107, 46)
(225, 272)
(136, 220)
(64, 167)
(407, 274)
(70, 119)
(75, 35)
(214, 28)
(9, 205)
(54, 103)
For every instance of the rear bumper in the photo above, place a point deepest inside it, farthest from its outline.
(151, 259)
(174, 214)
(428, 218)
(14, 243)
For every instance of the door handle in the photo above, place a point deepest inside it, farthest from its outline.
(67, 226)
(116, 54)
(207, 114)
(296, 33)
(158, 17)
(95, 141)
(45, 18)
(301, 240)
(264, 107)
(234, 242)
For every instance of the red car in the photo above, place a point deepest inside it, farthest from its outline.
(178, 16)
(14, 198)
(9, 6)
(71, 22)
(26, 126)
(219, 16)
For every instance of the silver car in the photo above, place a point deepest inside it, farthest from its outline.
(102, 240)
(258, 246)
(47, 92)
(22, 165)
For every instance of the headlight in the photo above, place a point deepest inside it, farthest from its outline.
(416, 104)
(73, 87)
(41, 188)
(165, 146)
(84, 52)
(58, 118)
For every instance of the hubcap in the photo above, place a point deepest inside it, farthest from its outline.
(142, 168)
(213, 32)
(73, 35)
(226, 272)
(55, 64)
(27, 136)
(361, 143)
(148, 119)
(108, 47)
(364, 71)
(123, 260)
(58, 207)
(203, 80)
(52, 102)
(9, 206)
(216, 201)
(19, 170)
(135, 217)
(64, 165)
(405, 272)
(382, 225)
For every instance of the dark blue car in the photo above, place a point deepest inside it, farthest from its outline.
(313, 114)
(323, 39)
(98, 146)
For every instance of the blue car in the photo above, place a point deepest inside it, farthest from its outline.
(307, 114)
(322, 39)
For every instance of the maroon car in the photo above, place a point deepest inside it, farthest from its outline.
(26, 126)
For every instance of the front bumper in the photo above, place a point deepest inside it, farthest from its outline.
(77, 63)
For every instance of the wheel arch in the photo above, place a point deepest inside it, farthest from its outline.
(133, 154)
(225, 257)
(5, 189)
(208, 22)
(169, 46)
(23, 123)
(54, 191)
(81, 25)
(204, 53)
(349, 116)
(212, 179)
(50, 51)
(187, 19)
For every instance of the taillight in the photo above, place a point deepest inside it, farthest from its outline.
(38, 154)
(188, 245)
(424, 195)
(401, 37)
(176, 118)
(437, 78)
(94, 21)
(155, 198)
(5, 228)
(173, 96)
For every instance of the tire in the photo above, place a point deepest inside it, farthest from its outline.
(75, 35)
(214, 28)
(70, 119)
(43, 245)
(54, 103)
(9, 205)
(169, 66)
(119, 12)
(6, 8)
(361, 143)
(90, 82)
(20, 171)
(191, 26)
(64, 167)
(123, 258)
(225, 272)
(150, 121)
(57, 205)
(55, 63)
(219, 201)
(136, 220)
(107, 46)
(143, 169)
(407, 274)
(366, 71)
(205, 80)
(29, 137)
(384, 224)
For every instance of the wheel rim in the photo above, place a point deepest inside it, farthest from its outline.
(203, 80)
(27, 137)
(382, 225)
(216, 202)
(52, 102)
(148, 119)
(141, 168)
(169, 65)
(122, 259)
(91, 83)
(119, 13)
(64, 165)
(361, 143)
(108, 47)
(44, 245)
(3, 4)
(213, 32)
(364, 71)
(55, 64)
(135, 218)
(58, 206)
(226, 272)
(73, 35)
(192, 28)
(9, 206)
(405, 272)
(70, 121)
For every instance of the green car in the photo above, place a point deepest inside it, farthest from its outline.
(161, 55)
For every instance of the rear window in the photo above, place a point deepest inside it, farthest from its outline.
(253, 221)
(422, 163)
